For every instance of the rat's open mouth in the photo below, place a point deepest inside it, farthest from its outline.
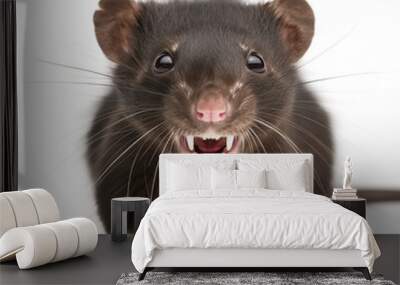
(204, 144)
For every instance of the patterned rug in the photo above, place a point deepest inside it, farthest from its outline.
(244, 278)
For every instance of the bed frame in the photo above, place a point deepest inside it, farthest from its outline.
(251, 259)
(245, 259)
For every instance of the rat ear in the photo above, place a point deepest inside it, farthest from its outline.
(114, 25)
(296, 23)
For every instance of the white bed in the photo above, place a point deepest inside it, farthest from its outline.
(248, 226)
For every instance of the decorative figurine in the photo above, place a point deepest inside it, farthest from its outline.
(348, 173)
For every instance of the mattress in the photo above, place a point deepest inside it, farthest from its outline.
(250, 219)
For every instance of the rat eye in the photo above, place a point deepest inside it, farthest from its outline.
(164, 63)
(255, 63)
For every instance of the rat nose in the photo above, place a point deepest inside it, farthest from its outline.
(211, 109)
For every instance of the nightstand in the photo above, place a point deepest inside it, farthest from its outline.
(119, 210)
(358, 205)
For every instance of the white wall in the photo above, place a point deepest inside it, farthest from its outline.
(56, 117)
(363, 108)
(357, 36)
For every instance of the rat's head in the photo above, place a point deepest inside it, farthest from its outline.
(213, 74)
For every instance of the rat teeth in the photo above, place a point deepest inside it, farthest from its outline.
(190, 142)
(229, 142)
(210, 135)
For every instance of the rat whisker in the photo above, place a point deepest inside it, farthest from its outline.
(75, 68)
(96, 84)
(157, 167)
(298, 115)
(114, 78)
(310, 135)
(154, 180)
(125, 118)
(246, 144)
(329, 48)
(318, 55)
(129, 132)
(339, 77)
(122, 133)
(254, 142)
(131, 171)
(313, 148)
(250, 142)
(101, 176)
(156, 141)
(119, 112)
(160, 143)
(258, 139)
(119, 136)
(280, 133)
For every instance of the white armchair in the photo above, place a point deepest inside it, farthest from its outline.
(31, 230)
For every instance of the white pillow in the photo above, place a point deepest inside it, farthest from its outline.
(251, 178)
(226, 179)
(292, 177)
(181, 177)
(223, 179)
(285, 174)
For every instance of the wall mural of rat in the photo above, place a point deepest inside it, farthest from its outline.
(202, 77)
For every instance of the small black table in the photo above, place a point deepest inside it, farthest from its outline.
(119, 210)
(358, 205)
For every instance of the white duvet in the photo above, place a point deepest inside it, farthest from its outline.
(253, 218)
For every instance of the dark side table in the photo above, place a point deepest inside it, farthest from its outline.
(358, 205)
(119, 215)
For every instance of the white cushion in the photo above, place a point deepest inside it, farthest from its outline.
(284, 174)
(7, 220)
(188, 177)
(31, 246)
(251, 178)
(40, 244)
(45, 205)
(87, 233)
(65, 236)
(23, 208)
(27, 208)
(167, 179)
(288, 177)
(226, 179)
(223, 179)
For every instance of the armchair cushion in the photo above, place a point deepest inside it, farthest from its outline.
(46, 243)
(27, 208)
(31, 230)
